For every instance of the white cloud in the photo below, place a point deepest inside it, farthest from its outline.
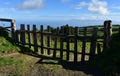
(95, 6)
(32, 4)
(81, 5)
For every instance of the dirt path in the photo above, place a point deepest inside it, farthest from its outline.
(11, 54)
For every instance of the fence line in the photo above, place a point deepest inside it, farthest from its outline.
(61, 44)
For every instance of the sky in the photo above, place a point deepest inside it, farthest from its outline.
(65, 11)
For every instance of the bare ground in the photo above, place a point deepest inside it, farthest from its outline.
(34, 66)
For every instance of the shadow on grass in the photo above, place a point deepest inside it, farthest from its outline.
(4, 32)
(78, 66)
(109, 59)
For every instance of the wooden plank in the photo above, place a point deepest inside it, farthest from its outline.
(55, 43)
(17, 38)
(98, 48)
(42, 40)
(75, 44)
(48, 40)
(93, 44)
(35, 39)
(68, 45)
(22, 34)
(61, 44)
(84, 46)
(29, 38)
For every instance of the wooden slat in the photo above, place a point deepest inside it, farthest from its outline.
(48, 40)
(84, 46)
(29, 38)
(98, 48)
(68, 43)
(17, 38)
(61, 44)
(42, 41)
(35, 39)
(55, 43)
(22, 34)
(75, 44)
(93, 44)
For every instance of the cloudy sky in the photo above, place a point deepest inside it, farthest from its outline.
(51, 10)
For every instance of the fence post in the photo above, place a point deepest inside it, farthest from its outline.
(107, 33)
(13, 30)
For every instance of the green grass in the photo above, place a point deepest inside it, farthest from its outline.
(7, 46)
(9, 61)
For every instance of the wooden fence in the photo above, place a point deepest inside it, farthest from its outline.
(82, 46)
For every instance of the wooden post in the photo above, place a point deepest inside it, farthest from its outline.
(107, 33)
(13, 30)
(29, 38)
(22, 34)
(17, 38)
(42, 40)
(93, 44)
(48, 40)
(84, 45)
(75, 44)
(35, 39)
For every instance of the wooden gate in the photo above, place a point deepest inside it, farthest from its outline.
(83, 45)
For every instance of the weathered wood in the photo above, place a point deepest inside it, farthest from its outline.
(29, 38)
(84, 46)
(42, 40)
(13, 29)
(17, 38)
(22, 34)
(93, 44)
(98, 48)
(68, 43)
(55, 44)
(75, 44)
(35, 39)
(48, 40)
(107, 33)
(61, 44)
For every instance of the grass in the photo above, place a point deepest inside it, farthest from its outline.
(7, 46)
(9, 61)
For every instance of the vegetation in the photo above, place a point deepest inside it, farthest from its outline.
(22, 65)
(6, 43)
(109, 59)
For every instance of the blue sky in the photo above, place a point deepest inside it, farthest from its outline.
(60, 10)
